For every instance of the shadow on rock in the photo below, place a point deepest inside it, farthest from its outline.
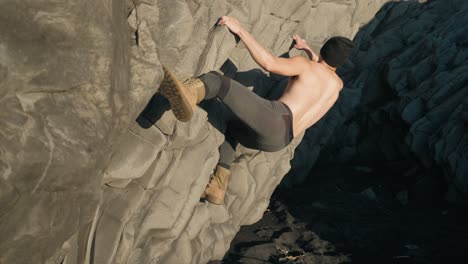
(153, 111)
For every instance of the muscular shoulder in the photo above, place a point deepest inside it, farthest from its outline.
(293, 66)
(329, 77)
(300, 59)
(303, 63)
(338, 82)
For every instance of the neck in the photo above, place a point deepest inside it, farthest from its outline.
(327, 66)
(333, 69)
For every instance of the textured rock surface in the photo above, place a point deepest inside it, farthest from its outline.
(80, 180)
(404, 103)
(67, 94)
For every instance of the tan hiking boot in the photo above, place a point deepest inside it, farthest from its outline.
(196, 85)
(216, 188)
(183, 97)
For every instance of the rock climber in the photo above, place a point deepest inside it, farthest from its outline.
(312, 89)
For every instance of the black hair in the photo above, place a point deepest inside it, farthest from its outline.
(336, 50)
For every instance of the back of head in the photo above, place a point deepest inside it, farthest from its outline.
(336, 50)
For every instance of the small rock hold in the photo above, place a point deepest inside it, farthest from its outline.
(403, 197)
(369, 193)
(411, 247)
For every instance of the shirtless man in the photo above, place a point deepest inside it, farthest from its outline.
(257, 123)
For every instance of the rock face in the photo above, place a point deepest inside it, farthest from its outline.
(68, 93)
(404, 104)
(81, 180)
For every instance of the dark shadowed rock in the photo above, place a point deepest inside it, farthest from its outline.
(404, 100)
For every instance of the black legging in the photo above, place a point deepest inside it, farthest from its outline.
(258, 123)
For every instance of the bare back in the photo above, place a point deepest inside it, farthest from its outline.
(310, 95)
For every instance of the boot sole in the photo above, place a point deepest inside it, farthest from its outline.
(174, 91)
(211, 199)
(215, 200)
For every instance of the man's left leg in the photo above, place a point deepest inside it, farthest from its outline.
(216, 188)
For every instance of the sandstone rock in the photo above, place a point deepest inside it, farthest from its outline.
(67, 97)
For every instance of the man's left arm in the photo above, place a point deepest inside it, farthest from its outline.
(284, 66)
(301, 44)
